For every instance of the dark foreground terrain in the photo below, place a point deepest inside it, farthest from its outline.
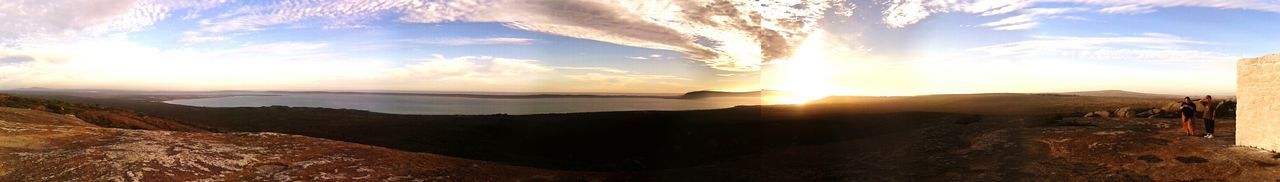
(979, 137)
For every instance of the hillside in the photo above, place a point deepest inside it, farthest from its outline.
(40, 117)
(711, 94)
(986, 104)
(100, 116)
(69, 151)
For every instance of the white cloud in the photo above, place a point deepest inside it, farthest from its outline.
(905, 12)
(1019, 26)
(478, 41)
(1028, 18)
(35, 22)
(1128, 9)
(123, 65)
(737, 35)
(596, 69)
(335, 14)
(734, 35)
(275, 48)
(649, 57)
(1077, 18)
(197, 37)
(469, 68)
(1149, 46)
(616, 80)
(1141, 62)
(272, 66)
(52, 19)
(900, 13)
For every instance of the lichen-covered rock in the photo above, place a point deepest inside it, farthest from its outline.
(47, 152)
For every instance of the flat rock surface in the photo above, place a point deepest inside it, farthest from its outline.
(39, 117)
(43, 152)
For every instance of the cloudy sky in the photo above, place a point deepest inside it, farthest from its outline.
(873, 47)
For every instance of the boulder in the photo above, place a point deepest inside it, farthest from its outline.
(1150, 113)
(1104, 114)
(1125, 112)
(1133, 112)
(1227, 109)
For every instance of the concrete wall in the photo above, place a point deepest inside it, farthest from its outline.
(1258, 107)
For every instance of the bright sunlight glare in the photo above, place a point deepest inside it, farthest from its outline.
(806, 75)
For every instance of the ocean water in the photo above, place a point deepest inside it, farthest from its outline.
(441, 105)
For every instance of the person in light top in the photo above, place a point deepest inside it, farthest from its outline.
(1210, 111)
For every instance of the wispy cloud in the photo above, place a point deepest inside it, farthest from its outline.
(1028, 18)
(36, 21)
(743, 34)
(196, 38)
(746, 33)
(123, 65)
(1145, 46)
(274, 48)
(469, 68)
(596, 69)
(478, 41)
(15, 59)
(626, 79)
(649, 57)
(1128, 9)
(339, 14)
(900, 13)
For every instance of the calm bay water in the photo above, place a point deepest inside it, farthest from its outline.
(416, 104)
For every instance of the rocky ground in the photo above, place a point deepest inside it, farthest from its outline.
(59, 149)
(1012, 148)
(975, 137)
(1146, 149)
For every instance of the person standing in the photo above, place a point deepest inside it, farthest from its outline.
(1188, 112)
(1210, 109)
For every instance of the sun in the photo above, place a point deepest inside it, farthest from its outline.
(805, 76)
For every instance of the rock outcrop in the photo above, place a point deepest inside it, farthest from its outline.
(1225, 109)
(1125, 112)
(40, 150)
(1104, 114)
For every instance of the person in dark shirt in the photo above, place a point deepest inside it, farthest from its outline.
(1188, 112)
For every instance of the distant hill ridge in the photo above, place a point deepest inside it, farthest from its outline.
(709, 94)
(1119, 93)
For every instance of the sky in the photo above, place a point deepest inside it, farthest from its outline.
(814, 47)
